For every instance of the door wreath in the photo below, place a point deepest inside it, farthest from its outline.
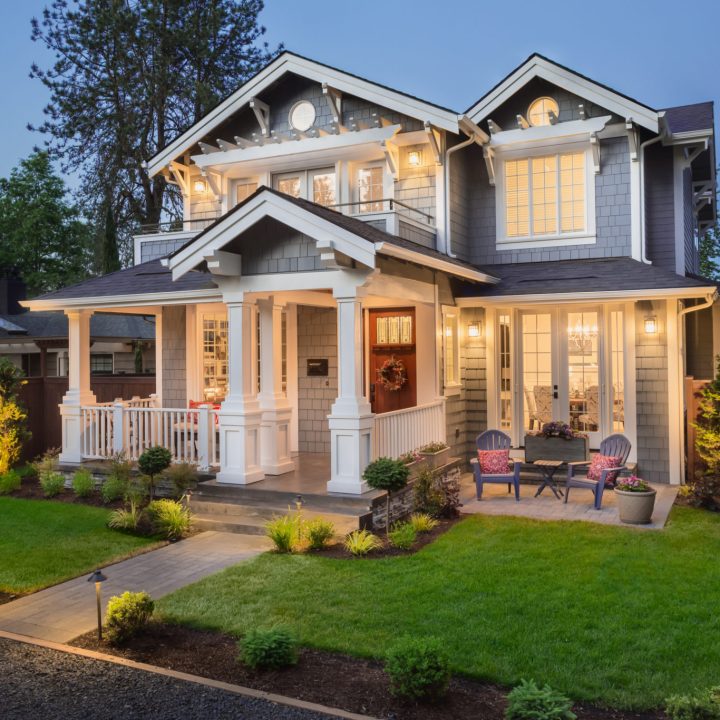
(392, 375)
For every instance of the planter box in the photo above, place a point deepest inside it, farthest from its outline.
(635, 508)
(415, 468)
(555, 448)
(438, 459)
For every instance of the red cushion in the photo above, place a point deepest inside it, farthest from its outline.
(193, 417)
(599, 463)
(494, 462)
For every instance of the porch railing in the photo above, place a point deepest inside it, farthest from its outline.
(131, 427)
(400, 431)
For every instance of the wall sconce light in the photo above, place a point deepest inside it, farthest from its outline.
(651, 325)
(448, 331)
(199, 186)
(474, 330)
(414, 158)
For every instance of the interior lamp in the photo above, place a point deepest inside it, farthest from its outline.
(199, 186)
(651, 325)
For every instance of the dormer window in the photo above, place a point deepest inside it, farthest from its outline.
(538, 113)
(302, 116)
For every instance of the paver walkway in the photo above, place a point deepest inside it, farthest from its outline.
(62, 612)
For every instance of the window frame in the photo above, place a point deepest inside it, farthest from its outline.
(355, 187)
(102, 356)
(585, 237)
(451, 321)
(306, 176)
(238, 182)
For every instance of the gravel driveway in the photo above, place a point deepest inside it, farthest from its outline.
(36, 683)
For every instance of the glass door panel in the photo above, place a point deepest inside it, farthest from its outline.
(505, 372)
(584, 386)
(537, 370)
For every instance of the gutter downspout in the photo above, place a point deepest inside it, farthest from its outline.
(448, 241)
(709, 301)
(643, 239)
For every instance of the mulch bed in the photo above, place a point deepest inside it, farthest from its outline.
(339, 681)
(339, 552)
(31, 490)
(8, 597)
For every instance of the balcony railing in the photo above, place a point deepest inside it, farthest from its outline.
(195, 224)
(385, 205)
(401, 431)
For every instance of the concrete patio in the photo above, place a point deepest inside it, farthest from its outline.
(497, 501)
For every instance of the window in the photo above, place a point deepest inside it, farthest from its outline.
(316, 185)
(505, 367)
(101, 364)
(244, 189)
(451, 357)
(539, 111)
(545, 196)
(302, 115)
(214, 356)
(370, 189)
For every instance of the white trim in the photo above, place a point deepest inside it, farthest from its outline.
(571, 131)
(451, 320)
(159, 357)
(636, 209)
(676, 454)
(568, 80)
(679, 166)
(630, 378)
(491, 369)
(289, 63)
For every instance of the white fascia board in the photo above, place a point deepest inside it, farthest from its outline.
(579, 297)
(288, 63)
(573, 130)
(286, 150)
(401, 253)
(284, 211)
(126, 301)
(570, 81)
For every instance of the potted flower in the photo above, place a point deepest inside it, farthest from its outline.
(436, 454)
(636, 500)
(556, 441)
(414, 461)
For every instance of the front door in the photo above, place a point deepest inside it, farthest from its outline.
(392, 364)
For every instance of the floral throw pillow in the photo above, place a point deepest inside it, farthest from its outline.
(600, 463)
(494, 462)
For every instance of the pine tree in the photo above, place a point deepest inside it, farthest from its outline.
(110, 259)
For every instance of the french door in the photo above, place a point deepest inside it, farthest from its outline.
(568, 365)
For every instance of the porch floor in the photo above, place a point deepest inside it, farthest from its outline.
(497, 501)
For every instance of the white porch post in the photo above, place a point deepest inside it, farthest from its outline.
(276, 411)
(350, 419)
(79, 392)
(240, 412)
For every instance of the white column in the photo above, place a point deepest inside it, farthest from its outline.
(350, 419)
(276, 411)
(240, 413)
(78, 393)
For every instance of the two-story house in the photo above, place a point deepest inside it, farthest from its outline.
(358, 272)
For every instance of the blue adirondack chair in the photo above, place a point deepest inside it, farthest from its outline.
(495, 440)
(614, 445)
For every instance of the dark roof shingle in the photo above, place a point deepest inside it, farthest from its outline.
(687, 118)
(54, 325)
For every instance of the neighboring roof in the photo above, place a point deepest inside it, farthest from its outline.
(147, 278)
(690, 118)
(52, 325)
(289, 62)
(556, 278)
(538, 65)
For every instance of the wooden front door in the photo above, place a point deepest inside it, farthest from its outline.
(392, 336)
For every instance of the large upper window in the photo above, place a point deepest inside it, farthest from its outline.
(316, 185)
(370, 188)
(545, 195)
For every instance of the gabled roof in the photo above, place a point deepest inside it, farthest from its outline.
(54, 325)
(288, 62)
(539, 66)
(690, 118)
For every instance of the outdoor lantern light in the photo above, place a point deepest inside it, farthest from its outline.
(651, 325)
(415, 158)
(299, 502)
(474, 330)
(199, 186)
(98, 578)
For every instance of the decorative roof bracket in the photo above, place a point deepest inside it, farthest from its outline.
(434, 142)
(489, 156)
(334, 101)
(262, 113)
(392, 157)
(632, 139)
(595, 147)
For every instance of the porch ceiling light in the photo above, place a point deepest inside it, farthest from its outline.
(651, 325)
(415, 158)
(474, 330)
(199, 186)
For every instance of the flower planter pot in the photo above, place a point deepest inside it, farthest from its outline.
(636, 508)
(415, 468)
(436, 460)
(539, 447)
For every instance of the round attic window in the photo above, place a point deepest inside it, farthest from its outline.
(302, 116)
(540, 109)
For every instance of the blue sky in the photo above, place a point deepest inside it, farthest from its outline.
(447, 51)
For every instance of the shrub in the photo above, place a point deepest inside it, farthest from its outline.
(183, 476)
(9, 482)
(268, 649)
(403, 536)
(127, 615)
(418, 668)
(13, 418)
(422, 522)
(389, 475)
(703, 706)
(361, 542)
(527, 701)
(437, 495)
(83, 483)
(114, 488)
(319, 532)
(125, 518)
(704, 491)
(433, 447)
(170, 517)
(52, 484)
(152, 462)
(285, 532)
(120, 466)
(47, 463)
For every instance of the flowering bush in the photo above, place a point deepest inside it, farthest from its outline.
(632, 484)
(410, 457)
(558, 428)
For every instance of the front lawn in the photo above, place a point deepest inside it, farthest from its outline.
(43, 543)
(610, 615)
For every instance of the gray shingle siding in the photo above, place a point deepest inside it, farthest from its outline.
(156, 249)
(174, 375)
(659, 206)
(473, 359)
(692, 261)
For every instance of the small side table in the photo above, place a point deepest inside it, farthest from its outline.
(548, 468)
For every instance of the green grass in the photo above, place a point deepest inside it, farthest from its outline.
(43, 543)
(609, 615)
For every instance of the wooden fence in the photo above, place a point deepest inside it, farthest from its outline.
(41, 397)
(693, 388)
